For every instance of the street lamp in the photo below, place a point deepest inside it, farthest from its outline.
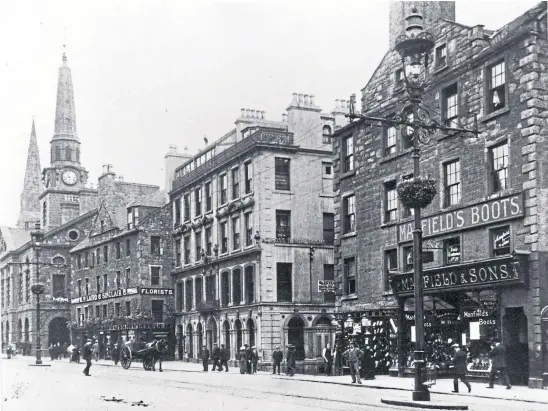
(37, 288)
(417, 125)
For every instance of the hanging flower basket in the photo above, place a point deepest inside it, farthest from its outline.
(417, 192)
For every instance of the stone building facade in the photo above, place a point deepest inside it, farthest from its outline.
(247, 210)
(485, 271)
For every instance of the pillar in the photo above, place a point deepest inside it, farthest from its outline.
(242, 285)
(193, 281)
(230, 279)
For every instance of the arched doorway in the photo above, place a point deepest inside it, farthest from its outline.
(238, 328)
(211, 333)
(226, 332)
(251, 331)
(295, 336)
(190, 339)
(323, 331)
(58, 331)
(27, 329)
(200, 339)
(19, 330)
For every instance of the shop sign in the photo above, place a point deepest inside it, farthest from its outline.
(156, 291)
(500, 271)
(326, 286)
(489, 212)
(160, 334)
(479, 313)
(104, 296)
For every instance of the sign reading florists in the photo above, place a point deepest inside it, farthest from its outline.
(492, 211)
(156, 291)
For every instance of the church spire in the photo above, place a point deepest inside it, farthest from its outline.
(65, 111)
(30, 206)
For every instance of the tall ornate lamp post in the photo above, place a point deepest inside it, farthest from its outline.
(37, 288)
(416, 125)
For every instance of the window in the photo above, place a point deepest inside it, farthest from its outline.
(224, 237)
(198, 201)
(97, 311)
(102, 226)
(98, 283)
(128, 308)
(98, 254)
(282, 171)
(128, 276)
(79, 288)
(27, 285)
(390, 202)
(118, 250)
(498, 158)
(79, 315)
(86, 313)
(222, 189)
(326, 134)
(500, 241)
(118, 280)
(390, 266)
(328, 228)
(132, 217)
(248, 222)
(105, 310)
(105, 253)
(117, 309)
(198, 244)
(327, 169)
(450, 106)
(155, 276)
(209, 240)
(208, 195)
(155, 245)
(390, 140)
(79, 260)
(186, 243)
(177, 253)
(87, 286)
(186, 204)
(210, 287)
(248, 167)
(452, 187)
(249, 275)
(57, 153)
(92, 258)
(283, 226)
(329, 275)
(349, 213)
(496, 81)
(235, 183)
(283, 282)
(188, 296)
(441, 56)
(236, 286)
(128, 247)
(105, 282)
(408, 258)
(348, 154)
(86, 259)
(349, 276)
(177, 211)
(58, 285)
(451, 251)
(198, 289)
(398, 75)
(236, 233)
(179, 297)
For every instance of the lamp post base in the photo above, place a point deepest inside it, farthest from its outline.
(421, 395)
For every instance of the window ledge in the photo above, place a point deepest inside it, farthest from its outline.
(439, 69)
(396, 156)
(389, 224)
(494, 114)
(349, 297)
(349, 235)
(348, 174)
(387, 293)
(327, 195)
(288, 192)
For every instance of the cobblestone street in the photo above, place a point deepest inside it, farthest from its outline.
(63, 387)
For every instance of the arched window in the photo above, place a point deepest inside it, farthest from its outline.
(68, 153)
(295, 336)
(19, 330)
(190, 340)
(249, 284)
(251, 332)
(238, 328)
(326, 134)
(225, 288)
(57, 153)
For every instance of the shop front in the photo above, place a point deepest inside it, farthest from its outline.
(465, 304)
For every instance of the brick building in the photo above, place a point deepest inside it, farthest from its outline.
(485, 232)
(246, 212)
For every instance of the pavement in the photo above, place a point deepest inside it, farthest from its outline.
(63, 387)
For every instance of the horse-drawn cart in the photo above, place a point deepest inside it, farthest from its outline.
(149, 354)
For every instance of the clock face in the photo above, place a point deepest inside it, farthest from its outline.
(69, 177)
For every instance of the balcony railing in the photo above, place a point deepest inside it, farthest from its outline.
(208, 306)
(263, 137)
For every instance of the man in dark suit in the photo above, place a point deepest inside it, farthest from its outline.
(225, 356)
(498, 363)
(459, 369)
(277, 357)
(216, 356)
(88, 352)
(205, 357)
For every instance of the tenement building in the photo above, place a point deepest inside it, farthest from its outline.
(253, 236)
(485, 248)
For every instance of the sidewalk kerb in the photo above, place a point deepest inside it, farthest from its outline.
(424, 405)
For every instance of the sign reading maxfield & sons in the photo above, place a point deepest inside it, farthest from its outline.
(477, 274)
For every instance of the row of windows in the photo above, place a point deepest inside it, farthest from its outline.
(101, 311)
(56, 154)
(101, 282)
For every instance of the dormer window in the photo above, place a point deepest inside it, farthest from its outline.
(132, 217)
(326, 134)
(441, 56)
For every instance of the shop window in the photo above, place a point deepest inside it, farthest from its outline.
(223, 183)
(283, 226)
(328, 228)
(408, 258)
(496, 83)
(186, 206)
(441, 56)
(248, 222)
(284, 282)
(235, 175)
(155, 248)
(450, 105)
(452, 183)
(390, 266)
(349, 276)
(225, 288)
(249, 284)
(177, 253)
(282, 174)
(198, 201)
(390, 202)
(186, 243)
(236, 286)
(155, 276)
(500, 241)
(177, 212)
(326, 134)
(224, 237)
(157, 308)
(390, 140)
(236, 233)
(348, 154)
(349, 214)
(208, 196)
(452, 251)
(329, 275)
(498, 164)
(248, 169)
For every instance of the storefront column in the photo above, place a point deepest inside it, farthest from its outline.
(204, 288)
(401, 333)
(242, 282)
(183, 297)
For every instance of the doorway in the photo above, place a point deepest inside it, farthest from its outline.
(515, 339)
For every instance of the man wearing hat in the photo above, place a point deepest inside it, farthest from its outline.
(254, 359)
(216, 356)
(248, 355)
(205, 357)
(88, 352)
(498, 363)
(225, 356)
(277, 357)
(459, 368)
(354, 356)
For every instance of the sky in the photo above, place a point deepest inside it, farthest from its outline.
(149, 74)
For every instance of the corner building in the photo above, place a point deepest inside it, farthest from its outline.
(247, 210)
(485, 239)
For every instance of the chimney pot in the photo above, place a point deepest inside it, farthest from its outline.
(249, 113)
(295, 98)
(263, 114)
(242, 112)
(306, 99)
(311, 100)
(284, 117)
(337, 103)
(301, 98)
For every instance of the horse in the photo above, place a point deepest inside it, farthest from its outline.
(159, 348)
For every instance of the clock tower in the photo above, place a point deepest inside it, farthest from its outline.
(64, 179)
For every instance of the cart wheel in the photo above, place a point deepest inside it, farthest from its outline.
(125, 358)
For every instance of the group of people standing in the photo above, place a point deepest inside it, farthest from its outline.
(220, 357)
(57, 351)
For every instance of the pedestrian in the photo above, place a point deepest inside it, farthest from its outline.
(88, 352)
(57, 351)
(205, 357)
(354, 356)
(247, 359)
(216, 356)
(225, 356)
(277, 357)
(459, 369)
(242, 360)
(291, 353)
(328, 358)
(50, 349)
(254, 359)
(116, 353)
(498, 363)
(96, 350)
